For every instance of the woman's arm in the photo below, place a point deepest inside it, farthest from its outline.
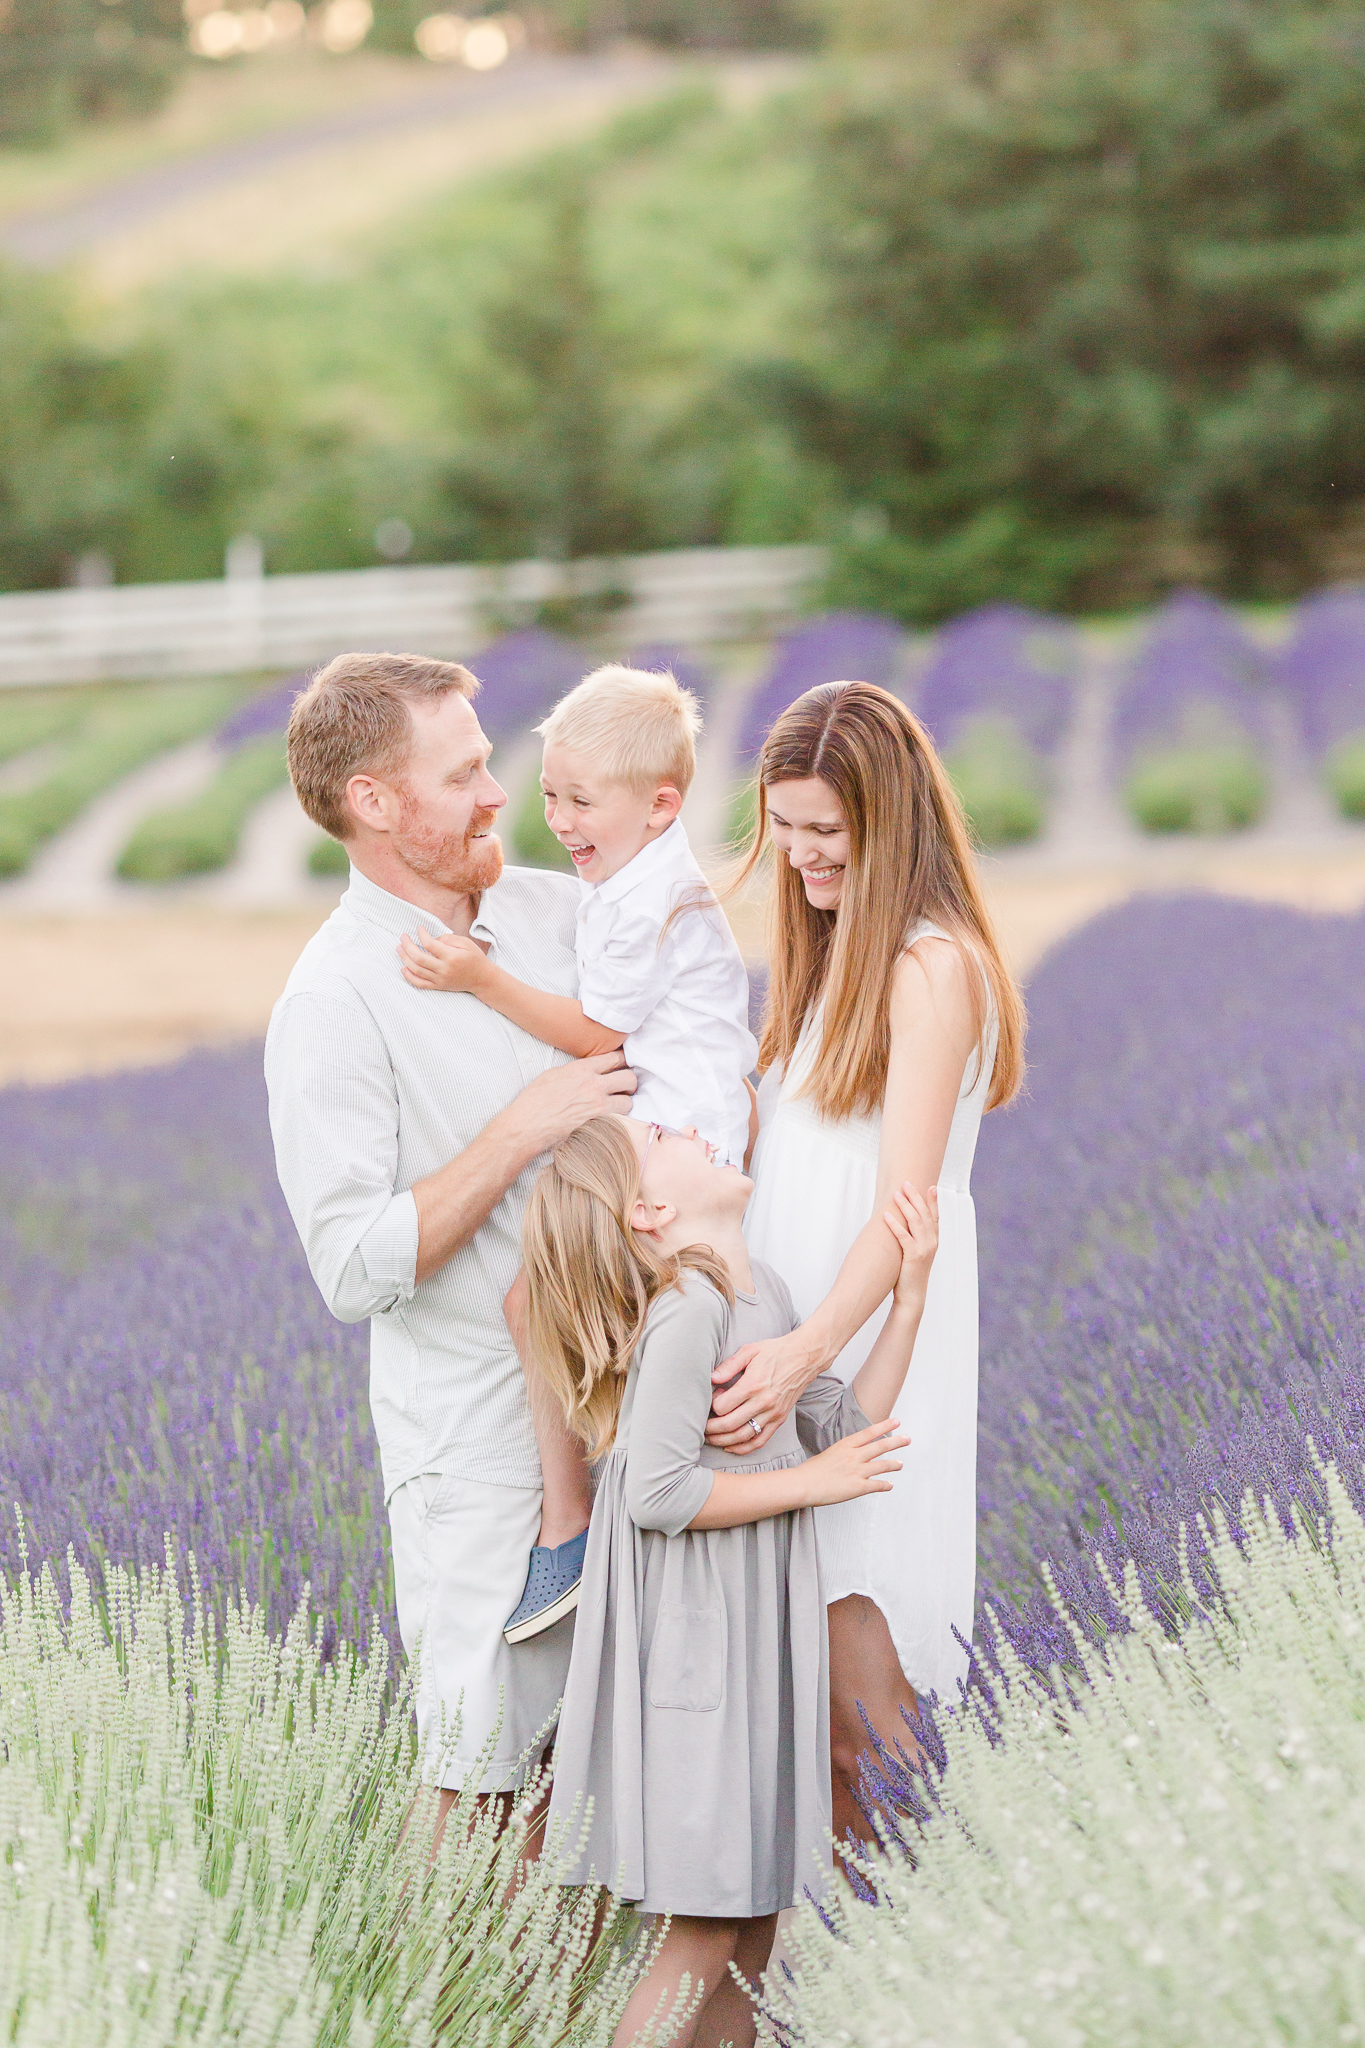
(462, 967)
(933, 1035)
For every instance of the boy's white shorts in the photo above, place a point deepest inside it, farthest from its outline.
(460, 1554)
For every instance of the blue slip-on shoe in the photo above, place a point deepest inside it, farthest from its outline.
(552, 1586)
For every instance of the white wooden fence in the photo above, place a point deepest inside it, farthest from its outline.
(687, 598)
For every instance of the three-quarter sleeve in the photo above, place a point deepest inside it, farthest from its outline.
(826, 1412)
(334, 1119)
(666, 1484)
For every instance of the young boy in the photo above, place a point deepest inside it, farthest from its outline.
(659, 974)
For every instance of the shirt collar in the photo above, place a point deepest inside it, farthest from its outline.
(373, 905)
(653, 862)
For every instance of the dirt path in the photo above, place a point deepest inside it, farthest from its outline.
(87, 993)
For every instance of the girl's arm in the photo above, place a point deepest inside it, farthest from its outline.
(856, 1465)
(933, 1035)
(461, 966)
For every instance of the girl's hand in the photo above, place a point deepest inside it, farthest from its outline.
(912, 1220)
(443, 961)
(856, 1465)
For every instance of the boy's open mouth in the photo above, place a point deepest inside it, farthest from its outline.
(581, 855)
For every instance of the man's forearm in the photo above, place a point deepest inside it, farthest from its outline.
(555, 1020)
(457, 1201)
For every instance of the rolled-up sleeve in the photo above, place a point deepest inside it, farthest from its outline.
(666, 1484)
(334, 1120)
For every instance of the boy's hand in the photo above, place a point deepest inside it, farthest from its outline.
(442, 961)
(856, 1465)
(912, 1220)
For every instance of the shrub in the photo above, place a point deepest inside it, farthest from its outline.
(999, 778)
(126, 729)
(1219, 786)
(195, 838)
(33, 718)
(327, 857)
(1163, 1853)
(1345, 772)
(203, 1835)
(532, 840)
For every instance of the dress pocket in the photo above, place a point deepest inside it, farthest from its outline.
(687, 1659)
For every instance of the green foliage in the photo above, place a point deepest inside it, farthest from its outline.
(125, 729)
(197, 837)
(742, 816)
(64, 61)
(328, 857)
(1000, 780)
(1209, 786)
(1163, 1854)
(532, 840)
(1344, 770)
(1089, 303)
(204, 1836)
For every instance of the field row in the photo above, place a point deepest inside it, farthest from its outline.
(1195, 711)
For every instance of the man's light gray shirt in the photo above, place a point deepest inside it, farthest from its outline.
(374, 1085)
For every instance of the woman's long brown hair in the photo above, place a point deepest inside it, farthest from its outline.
(910, 858)
(592, 1278)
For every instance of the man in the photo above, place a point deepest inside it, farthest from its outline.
(408, 1129)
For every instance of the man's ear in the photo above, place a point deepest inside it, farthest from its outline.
(649, 1218)
(667, 804)
(371, 802)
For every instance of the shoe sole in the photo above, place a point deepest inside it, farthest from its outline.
(536, 1624)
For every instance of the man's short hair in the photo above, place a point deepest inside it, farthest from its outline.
(637, 728)
(355, 718)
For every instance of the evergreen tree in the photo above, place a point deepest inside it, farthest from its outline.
(1101, 303)
(63, 61)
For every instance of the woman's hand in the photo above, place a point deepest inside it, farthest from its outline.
(912, 1220)
(760, 1383)
(857, 1465)
(442, 961)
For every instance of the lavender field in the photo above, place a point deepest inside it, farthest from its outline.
(1172, 1404)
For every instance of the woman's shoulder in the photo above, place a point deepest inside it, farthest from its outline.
(932, 961)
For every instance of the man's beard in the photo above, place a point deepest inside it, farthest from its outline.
(453, 860)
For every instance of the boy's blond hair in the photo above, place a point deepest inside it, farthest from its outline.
(638, 729)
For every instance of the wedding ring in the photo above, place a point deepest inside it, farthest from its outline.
(755, 1425)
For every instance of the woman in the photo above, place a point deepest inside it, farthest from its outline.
(892, 1022)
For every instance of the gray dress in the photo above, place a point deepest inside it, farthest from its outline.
(692, 1758)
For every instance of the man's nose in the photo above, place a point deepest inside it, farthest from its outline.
(492, 795)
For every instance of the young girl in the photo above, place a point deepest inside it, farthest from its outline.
(695, 1716)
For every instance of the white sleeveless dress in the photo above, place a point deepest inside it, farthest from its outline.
(913, 1550)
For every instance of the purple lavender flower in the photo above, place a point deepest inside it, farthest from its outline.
(691, 673)
(841, 647)
(1003, 662)
(522, 675)
(1322, 670)
(1195, 675)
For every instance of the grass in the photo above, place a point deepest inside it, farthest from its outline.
(1161, 1852)
(1219, 786)
(124, 730)
(198, 837)
(1000, 780)
(202, 1840)
(33, 718)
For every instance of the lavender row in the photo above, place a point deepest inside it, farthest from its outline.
(840, 647)
(1005, 663)
(1195, 676)
(1173, 1246)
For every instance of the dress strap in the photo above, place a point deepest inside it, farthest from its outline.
(924, 928)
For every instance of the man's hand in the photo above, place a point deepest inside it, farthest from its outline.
(761, 1383)
(565, 1098)
(440, 960)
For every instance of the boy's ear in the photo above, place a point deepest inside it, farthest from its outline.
(651, 1217)
(667, 803)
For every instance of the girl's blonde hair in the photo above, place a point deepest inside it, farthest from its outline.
(910, 858)
(592, 1278)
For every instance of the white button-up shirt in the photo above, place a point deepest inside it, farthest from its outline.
(374, 1085)
(682, 1001)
